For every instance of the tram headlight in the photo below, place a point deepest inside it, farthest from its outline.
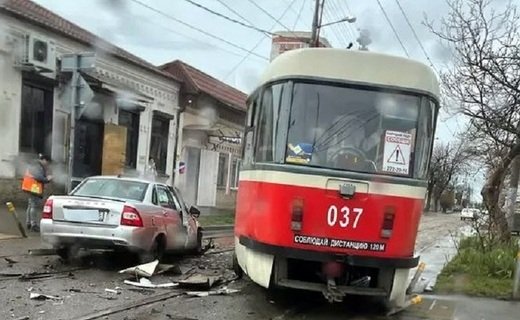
(297, 215)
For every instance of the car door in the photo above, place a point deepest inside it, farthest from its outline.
(189, 222)
(170, 217)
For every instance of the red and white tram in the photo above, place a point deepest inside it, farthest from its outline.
(333, 180)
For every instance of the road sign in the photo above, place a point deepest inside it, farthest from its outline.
(397, 152)
(78, 95)
(84, 92)
(78, 62)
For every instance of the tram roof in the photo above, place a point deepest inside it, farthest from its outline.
(354, 66)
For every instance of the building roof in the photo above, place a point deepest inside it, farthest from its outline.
(36, 14)
(196, 81)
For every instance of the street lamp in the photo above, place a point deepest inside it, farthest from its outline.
(318, 28)
(346, 19)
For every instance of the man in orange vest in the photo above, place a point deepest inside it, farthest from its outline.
(33, 182)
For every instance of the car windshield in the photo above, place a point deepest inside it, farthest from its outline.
(112, 188)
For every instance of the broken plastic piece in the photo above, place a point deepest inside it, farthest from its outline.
(223, 291)
(39, 296)
(199, 281)
(143, 270)
(146, 283)
(112, 291)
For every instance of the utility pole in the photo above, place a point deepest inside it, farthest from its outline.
(78, 94)
(314, 35)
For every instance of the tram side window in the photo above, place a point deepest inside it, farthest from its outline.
(267, 123)
(425, 134)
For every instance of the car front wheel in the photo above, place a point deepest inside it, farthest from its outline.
(198, 248)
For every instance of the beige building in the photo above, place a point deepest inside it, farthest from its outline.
(131, 117)
(210, 133)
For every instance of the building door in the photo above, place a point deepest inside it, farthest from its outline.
(208, 173)
(36, 118)
(88, 148)
(114, 149)
(191, 184)
(130, 120)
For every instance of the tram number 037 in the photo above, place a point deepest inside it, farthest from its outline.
(344, 216)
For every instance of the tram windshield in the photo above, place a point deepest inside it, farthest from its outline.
(347, 128)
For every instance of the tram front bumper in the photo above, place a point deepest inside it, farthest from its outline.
(259, 261)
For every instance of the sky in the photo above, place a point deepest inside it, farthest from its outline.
(151, 32)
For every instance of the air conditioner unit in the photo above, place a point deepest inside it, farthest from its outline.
(37, 53)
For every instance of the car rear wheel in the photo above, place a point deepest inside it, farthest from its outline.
(64, 253)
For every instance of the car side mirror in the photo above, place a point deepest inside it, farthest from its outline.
(194, 211)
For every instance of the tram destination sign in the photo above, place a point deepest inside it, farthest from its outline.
(340, 243)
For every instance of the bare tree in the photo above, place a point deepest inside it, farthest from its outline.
(448, 160)
(484, 80)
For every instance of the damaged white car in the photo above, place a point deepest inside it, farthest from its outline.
(121, 214)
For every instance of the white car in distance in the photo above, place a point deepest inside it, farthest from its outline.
(469, 214)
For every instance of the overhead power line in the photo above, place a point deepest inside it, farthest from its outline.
(259, 42)
(198, 40)
(343, 30)
(271, 16)
(299, 14)
(415, 35)
(393, 28)
(196, 28)
(338, 33)
(339, 12)
(234, 11)
(249, 26)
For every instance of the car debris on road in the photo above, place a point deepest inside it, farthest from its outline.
(199, 281)
(146, 283)
(40, 296)
(222, 291)
(143, 270)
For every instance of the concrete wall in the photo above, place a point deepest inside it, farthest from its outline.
(163, 91)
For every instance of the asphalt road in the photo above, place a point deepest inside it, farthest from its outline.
(81, 289)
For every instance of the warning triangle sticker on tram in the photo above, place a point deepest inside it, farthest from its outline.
(396, 156)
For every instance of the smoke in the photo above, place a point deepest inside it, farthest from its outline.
(210, 114)
(247, 79)
(125, 100)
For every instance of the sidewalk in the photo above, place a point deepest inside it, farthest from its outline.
(461, 308)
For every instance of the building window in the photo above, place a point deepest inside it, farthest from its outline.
(222, 170)
(235, 169)
(36, 122)
(159, 142)
(130, 121)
